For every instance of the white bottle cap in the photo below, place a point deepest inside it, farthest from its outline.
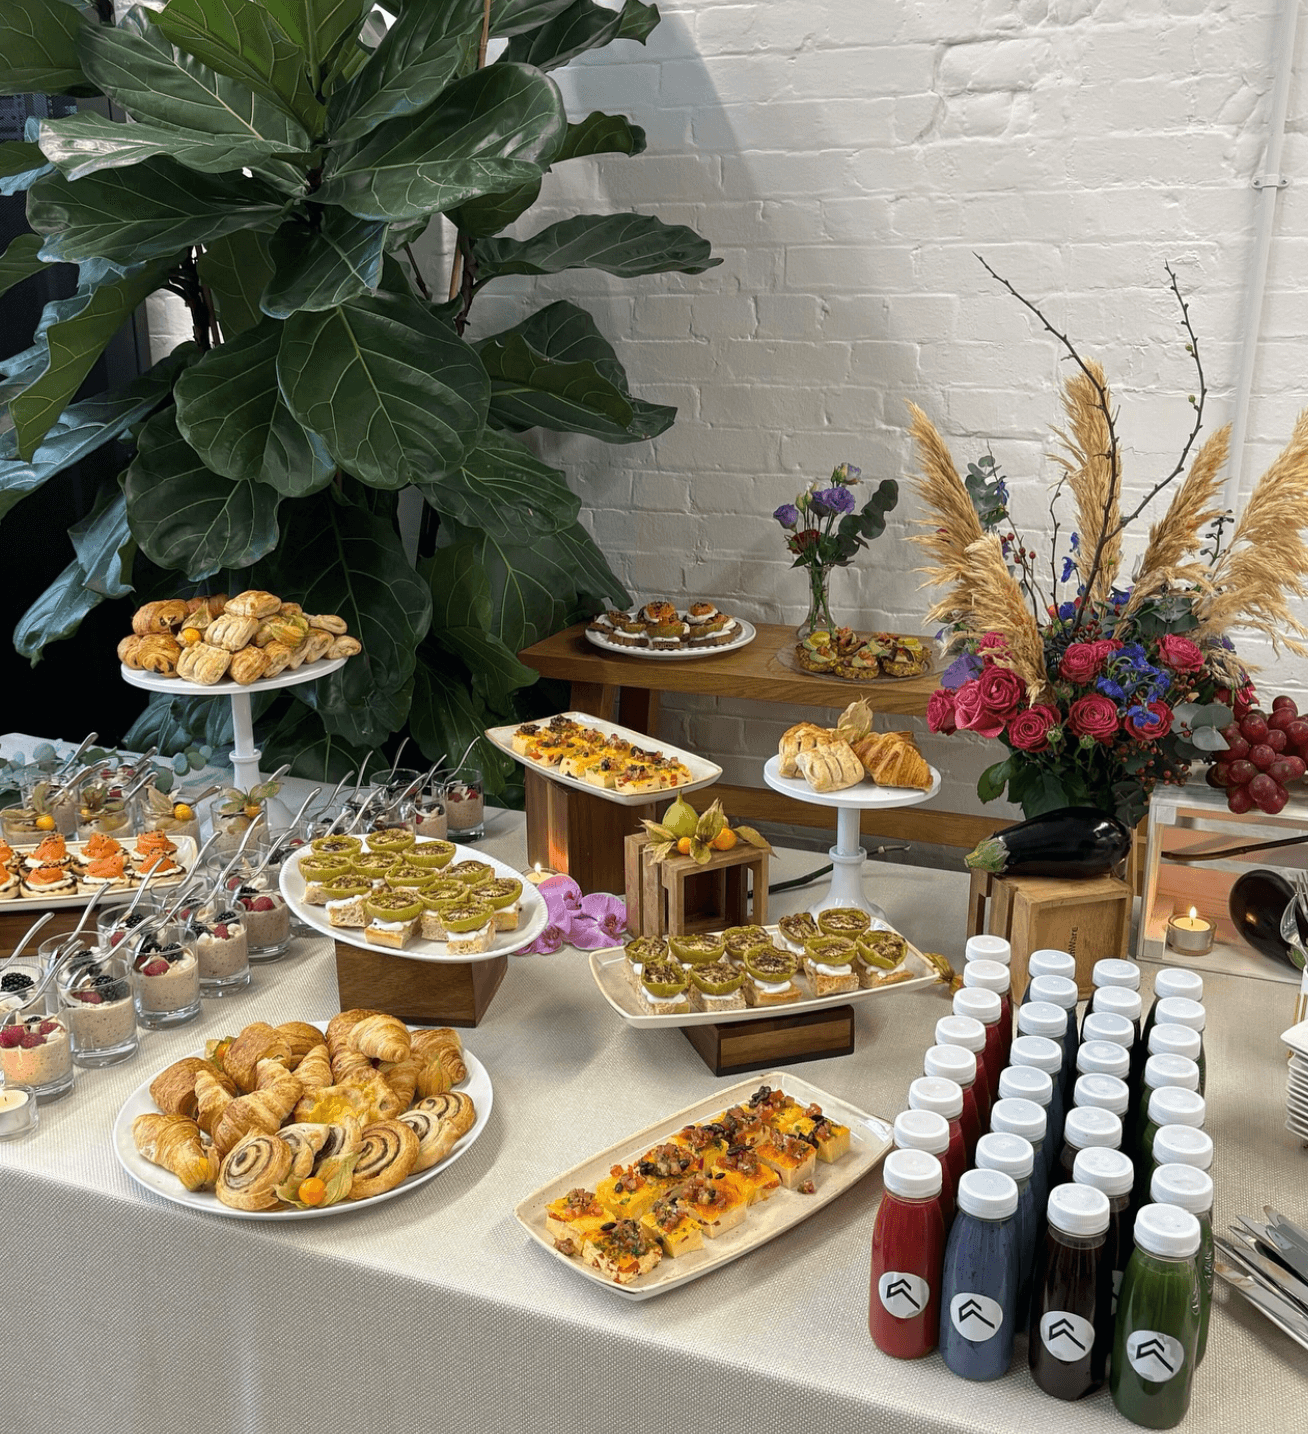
(1108, 1170)
(951, 1062)
(1110, 972)
(1177, 981)
(988, 1194)
(1036, 1051)
(1108, 1092)
(961, 1031)
(1059, 989)
(1167, 1230)
(1103, 1058)
(1013, 1154)
(1174, 1105)
(987, 976)
(1164, 1070)
(1088, 1125)
(1026, 1083)
(1182, 1185)
(1181, 1010)
(1078, 1209)
(922, 1130)
(1041, 1018)
(1105, 1026)
(1183, 1145)
(1117, 1001)
(979, 1004)
(988, 948)
(945, 1097)
(1175, 1040)
(912, 1174)
(1015, 1116)
(1048, 961)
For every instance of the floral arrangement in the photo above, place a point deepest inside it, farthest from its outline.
(588, 922)
(825, 532)
(1102, 686)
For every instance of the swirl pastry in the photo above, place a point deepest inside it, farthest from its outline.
(302, 1038)
(453, 1106)
(252, 1170)
(387, 1156)
(306, 1142)
(231, 631)
(258, 1041)
(214, 1092)
(380, 1037)
(436, 1137)
(254, 602)
(173, 1142)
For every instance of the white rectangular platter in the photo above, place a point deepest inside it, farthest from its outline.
(869, 1140)
(184, 857)
(608, 967)
(702, 773)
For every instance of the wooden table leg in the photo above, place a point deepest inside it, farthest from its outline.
(594, 698)
(638, 708)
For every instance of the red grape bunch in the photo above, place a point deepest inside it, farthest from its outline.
(1264, 755)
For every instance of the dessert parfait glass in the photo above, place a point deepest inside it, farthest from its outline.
(102, 807)
(50, 795)
(465, 805)
(253, 903)
(18, 825)
(97, 1001)
(166, 969)
(425, 814)
(36, 1052)
(168, 812)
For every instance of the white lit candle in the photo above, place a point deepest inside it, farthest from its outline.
(1192, 934)
(17, 1113)
(540, 873)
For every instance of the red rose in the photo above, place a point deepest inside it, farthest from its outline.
(1159, 729)
(1029, 730)
(940, 711)
(993, 642)
(1093, 716)
(1180, 654)
(971, 713)
(1002, 691)
(1082, 662)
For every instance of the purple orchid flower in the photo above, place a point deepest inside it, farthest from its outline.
(608, 914)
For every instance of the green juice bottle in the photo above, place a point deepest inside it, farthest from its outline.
(1158, 1318)
(1192, 1190)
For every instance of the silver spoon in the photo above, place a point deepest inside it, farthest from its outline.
(30, 998)
(72, 781)
(71, 761)
(395, 766)
(71, 941)
(304, 807)
(32, 930)
(464, 758)
(221, 883)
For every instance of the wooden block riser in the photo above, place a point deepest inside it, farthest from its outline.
(729, 1049)
(422, 993)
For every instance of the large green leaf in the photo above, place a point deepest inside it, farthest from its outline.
(238, 39)
(493, 212)
(103, 543)
(337, 557)
(513, 17)
(317, 265)
(627, 245)
(19, 261)
(462, 613)
(56, 614)
(185, 516)
(172, 724)
(599, 133)
(318, 28)
(486, 135)
(298, 737)
(38, 48)
(152, 209)
(231, 413)
(556, 370)
(75, 332)
(397, 396)
(236, 270)
(504, 488)
(447, 717)
(582, 26)
(21, 162)
(420, 54)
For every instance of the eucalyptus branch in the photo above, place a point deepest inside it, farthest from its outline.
(417, 273)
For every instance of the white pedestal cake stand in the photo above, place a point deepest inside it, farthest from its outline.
(847, 856)
(245, 755)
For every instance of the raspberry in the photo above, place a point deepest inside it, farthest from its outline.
(155, 968)
(264, 903)
(116, 938)
(11, 1037)
(90, 998)
(221, 931)
(30, 1040)
(47, 1026)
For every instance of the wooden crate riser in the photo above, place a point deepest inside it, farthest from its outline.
(731, 1048)
(679, 897)
(422, 993)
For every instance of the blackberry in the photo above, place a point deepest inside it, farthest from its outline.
(228, 915)
(14, 981)
(134, 919)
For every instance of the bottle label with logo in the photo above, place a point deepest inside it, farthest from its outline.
(902, 1294)
(1154, 1356)
(1066, 1336)
(976, 1317)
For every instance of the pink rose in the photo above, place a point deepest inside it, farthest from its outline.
(1093, 716)
(993, 642)
(971, 713)
(940, 711)
(1082, 662)
(1180, 654)
(1029, 730)
(1002, 691)
(1159, 729)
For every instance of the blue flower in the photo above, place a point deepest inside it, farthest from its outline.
(1001, 491)
(1069, 567)
(787, 515)
(1074, 542)
(1110, 689)
(1067, 611)
(834, 500)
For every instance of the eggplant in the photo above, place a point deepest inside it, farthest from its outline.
(1257, 902)
(1071, 841)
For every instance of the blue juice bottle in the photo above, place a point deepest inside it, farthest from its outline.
(1044, 1055)
(1062, 991)
(1015, 1156)
(1048, 961)
(978, 1298)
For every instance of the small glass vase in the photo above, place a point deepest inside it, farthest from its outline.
(819, 617)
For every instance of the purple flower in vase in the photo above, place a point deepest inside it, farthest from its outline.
(787, 515)
(961, 670)
(834, 500)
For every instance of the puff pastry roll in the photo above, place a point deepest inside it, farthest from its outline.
(278, 657)
(231, 631)
(253, 603)
(797, 739)
(248, 665)
(345, 647)
(203, 664)
(831, 767)
(163, 616)
(315, 645)
(292, 607)
(159, 653)
(328, 622)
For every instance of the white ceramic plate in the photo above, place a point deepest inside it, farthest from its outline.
(180, 687)
(702, 773)
(865, 794)
(167, 1185)
(744, 635)
(184, 857)
(608, 967)
(532, 915)
(869, 1140)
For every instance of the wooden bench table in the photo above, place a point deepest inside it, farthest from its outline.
(582, 834)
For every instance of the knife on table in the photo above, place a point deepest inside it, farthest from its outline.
(1288, 1228)
(1283, 1281)
(1283, 1246)
(1284, 1315)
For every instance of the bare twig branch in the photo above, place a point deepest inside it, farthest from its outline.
(417, 274)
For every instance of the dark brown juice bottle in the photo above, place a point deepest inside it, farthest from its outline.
(1071, 1304)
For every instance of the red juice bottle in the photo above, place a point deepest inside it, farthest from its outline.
(945, 1097)
(994, 976)
(985, 1007)
(971, 1036)
(927, 1130)
(955, 1064)
(908, 1248)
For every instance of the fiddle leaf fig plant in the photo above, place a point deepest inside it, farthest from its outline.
(277, 162)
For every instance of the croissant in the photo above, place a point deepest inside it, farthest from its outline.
(795, 740)
(278, 657)
(340, 1025)
(127, 650)
(204, 664)
(314, 1071)
(445, 1043)
(173, 1142)
(402, 1077)
(268, 1072)
(896, 763)
(435, 1077)
(262, 1110)
(254, 603)
(163, 616)
(301, 1037)
(252, 1170)
(388, 1154)
(345, 647)
(173, 1089)
(231, 631)
(159, 652)
(328, 622)
(381, 1037)
(351, 1065)
(831, 767)
(258, 1041)
(248, 664)
(214, 1092)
